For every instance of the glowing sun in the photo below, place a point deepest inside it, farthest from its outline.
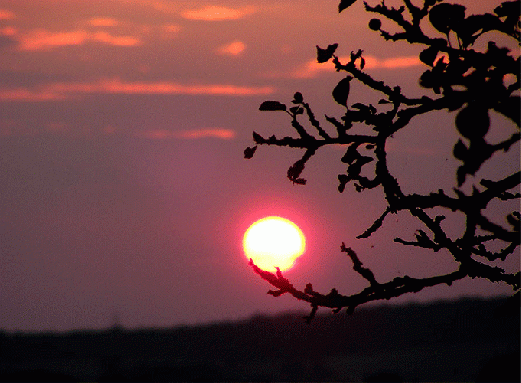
(274, 242)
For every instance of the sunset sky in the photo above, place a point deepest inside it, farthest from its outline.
(124, 191)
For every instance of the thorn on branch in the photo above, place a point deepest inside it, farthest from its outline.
(258, 139)
(505, 196)
(301, 130)
(422, 240)
(341, 128)
(314, 122)
(439, 218)
(345, 4)
(294, 172)
(276, 293)
(357, 265)
(343, 180)
(351, 154)
(375, 226)
(276, 280)
(295, 111)
(514, 220)
(492, 256)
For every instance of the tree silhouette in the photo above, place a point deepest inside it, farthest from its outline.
(459, 78)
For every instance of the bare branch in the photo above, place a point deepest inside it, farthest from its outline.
(375, 226)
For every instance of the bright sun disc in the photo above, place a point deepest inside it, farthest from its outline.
(274, 242)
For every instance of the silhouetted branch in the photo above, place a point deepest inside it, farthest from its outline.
(422, 240)
(297, 99)
(392, 93)
(337, 301)
(296, 169)
(463, 80)
(375, 226)
(357, 265)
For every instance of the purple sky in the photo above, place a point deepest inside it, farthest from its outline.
(124, 188)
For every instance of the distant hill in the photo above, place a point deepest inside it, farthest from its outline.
(464, 340)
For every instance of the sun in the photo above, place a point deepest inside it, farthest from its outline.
(274, 242)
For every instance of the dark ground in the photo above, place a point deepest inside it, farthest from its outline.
(465, 340)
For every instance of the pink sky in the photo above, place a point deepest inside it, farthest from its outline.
(124, 188)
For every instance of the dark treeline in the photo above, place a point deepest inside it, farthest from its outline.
(465, 340)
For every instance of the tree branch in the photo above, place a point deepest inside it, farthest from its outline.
(465, 81)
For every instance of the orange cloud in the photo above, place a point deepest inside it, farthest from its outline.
(312, 68)
(6, 14)
(29, 95)
(45, 40)
(106, 38)
(225, 134)
(165, 87)
(216, 13)
(61, 91)
(235, 48)
(8, 31)
(42, 39)
(103, 22)
(392, 63)
(161, 134)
